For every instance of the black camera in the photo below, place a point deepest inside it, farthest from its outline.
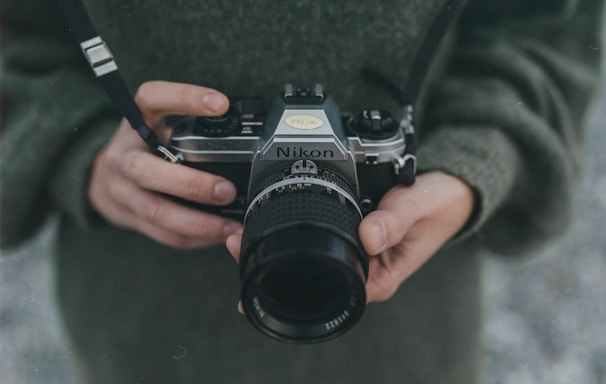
(306, 175)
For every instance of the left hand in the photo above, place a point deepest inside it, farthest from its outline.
(408, 227)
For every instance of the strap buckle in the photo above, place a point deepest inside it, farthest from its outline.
(99, 56)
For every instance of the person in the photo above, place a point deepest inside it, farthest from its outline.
(146, 287)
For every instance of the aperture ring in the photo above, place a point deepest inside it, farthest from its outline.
(305, 181)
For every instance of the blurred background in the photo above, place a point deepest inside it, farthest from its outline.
(545, 316)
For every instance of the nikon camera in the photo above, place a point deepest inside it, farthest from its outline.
(306, 175)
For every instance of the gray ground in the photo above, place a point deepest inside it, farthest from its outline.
(545, 316)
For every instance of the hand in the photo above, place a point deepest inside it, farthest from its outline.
(127, 181)
(408, 227)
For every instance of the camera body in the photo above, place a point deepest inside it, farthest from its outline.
(306, 174)
(371, 150)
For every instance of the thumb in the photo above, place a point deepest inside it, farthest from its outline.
(232, 243)
(385, 227)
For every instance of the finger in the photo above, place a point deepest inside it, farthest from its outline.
(183, 220)
(170, 238)
(160, 98)
(162, 212)
(127, 153)
(233, 243)
(124, 218)
(151, 172)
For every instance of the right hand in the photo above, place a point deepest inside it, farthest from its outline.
(128, 182)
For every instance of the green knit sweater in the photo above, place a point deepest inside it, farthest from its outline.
(502, 109)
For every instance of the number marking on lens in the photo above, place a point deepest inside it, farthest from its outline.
(337, 320)
(258, 309)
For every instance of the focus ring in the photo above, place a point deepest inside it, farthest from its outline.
(300, 207)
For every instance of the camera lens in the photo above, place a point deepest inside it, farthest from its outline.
(303, 269)
(303, 291)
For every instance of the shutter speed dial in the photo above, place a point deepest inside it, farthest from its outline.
(374, 124)
(218, 126)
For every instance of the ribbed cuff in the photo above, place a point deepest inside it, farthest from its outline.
(483, 157)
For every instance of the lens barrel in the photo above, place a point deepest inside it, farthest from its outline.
(302, 266)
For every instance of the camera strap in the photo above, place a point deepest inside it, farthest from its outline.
(105, 68)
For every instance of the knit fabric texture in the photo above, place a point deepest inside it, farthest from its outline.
(501, 109)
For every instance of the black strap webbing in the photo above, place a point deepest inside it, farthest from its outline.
(422, 61)
(427, 50)
(102, 62)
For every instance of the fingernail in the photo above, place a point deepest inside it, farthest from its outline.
(378, 237)
(224, 192)
(214, 101)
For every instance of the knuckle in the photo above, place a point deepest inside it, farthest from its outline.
(151, 212)
(111, 156)
(189, 95)
(137, 168)
(206, 227)
(196, 187)
(202, 230)
(143, 92)
(209, 232)
(115, 191)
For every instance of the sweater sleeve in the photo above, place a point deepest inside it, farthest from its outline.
(507, 115)
(54, 120)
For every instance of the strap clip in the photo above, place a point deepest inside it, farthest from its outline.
(99, 56)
